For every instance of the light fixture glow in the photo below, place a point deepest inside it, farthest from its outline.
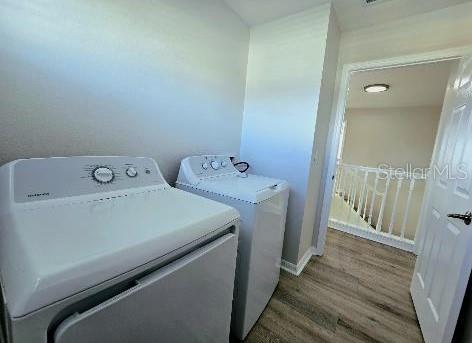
(376, 88)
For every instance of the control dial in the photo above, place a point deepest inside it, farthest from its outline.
(103, 175)
(131, 172)
(215, 165)
(205, 165)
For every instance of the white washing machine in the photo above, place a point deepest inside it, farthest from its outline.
(102, 249)
(262, 203)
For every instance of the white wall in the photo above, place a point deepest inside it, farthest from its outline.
(285, 68)
(442, 29)
(396, 136)
(160, 78)
(316, 185)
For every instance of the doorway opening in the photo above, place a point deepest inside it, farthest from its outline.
(441, 238)
(385, 148)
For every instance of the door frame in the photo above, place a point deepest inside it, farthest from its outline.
(339, 108)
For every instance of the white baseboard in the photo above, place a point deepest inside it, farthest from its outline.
(296, 269)
(380, 237)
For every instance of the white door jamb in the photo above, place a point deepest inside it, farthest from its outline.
(338, 117)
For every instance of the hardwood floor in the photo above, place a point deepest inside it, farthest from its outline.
(357, 292)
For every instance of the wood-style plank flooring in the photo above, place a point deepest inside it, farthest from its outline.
(357, 292)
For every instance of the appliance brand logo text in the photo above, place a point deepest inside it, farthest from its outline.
(38, 195)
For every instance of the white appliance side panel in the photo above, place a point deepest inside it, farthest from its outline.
(261, 236)
(247, 213)
(266, 255)
(189, 300)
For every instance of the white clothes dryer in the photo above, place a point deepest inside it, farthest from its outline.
(102, 249)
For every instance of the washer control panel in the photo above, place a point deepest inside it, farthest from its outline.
(210, 165)
(59, 177)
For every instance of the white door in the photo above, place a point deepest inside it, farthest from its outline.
(445, 248)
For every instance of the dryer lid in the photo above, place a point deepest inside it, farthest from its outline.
(253, 188)
(52, 252)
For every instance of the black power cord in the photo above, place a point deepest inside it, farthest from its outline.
(244, 168)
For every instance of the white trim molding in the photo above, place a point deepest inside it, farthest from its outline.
(342, 84)
(296, 269)
(380, 237)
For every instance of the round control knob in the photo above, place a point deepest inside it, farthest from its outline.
(224, 164)
(205, 166)
(215, 165)
(103, 175)
(131, 172)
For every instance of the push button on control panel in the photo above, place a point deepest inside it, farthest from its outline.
(205, 166)
(103, 175)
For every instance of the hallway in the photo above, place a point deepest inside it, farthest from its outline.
(357, 292)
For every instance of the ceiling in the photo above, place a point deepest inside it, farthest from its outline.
(418, 85)
(351, 14)
(254, 12)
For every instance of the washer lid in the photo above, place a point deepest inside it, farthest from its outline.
(52, 252)
(252, 188)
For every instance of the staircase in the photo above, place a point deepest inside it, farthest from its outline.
(382, 205)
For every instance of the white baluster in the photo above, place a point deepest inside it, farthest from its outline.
(350, 187)
(394, 208)
(407, 206)
(361, 198)
(355, 190)
(374, 194)
(382, 206)
(340, 179)
(336, 181)
(365, 203)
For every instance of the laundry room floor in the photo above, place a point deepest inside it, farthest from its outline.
(357, 292)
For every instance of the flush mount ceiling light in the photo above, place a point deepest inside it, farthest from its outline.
(376, 88)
